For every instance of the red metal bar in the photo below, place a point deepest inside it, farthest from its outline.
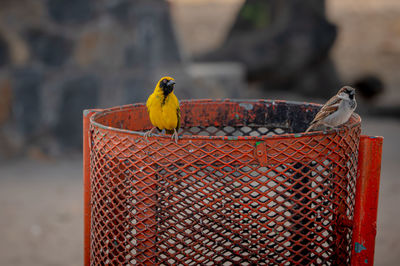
(366, 208)
(86, 184)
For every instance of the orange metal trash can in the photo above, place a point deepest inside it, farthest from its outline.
(243, 186)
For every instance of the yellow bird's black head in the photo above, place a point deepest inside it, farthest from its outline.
(166, 84)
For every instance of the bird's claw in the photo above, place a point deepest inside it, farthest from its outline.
(336, 129)
(148, 133)
(175, 136)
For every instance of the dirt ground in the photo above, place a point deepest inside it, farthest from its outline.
(41, 207)
(41, 221)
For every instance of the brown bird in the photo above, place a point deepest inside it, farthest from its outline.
(337, 110)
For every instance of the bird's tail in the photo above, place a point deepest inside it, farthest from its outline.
(310, 127)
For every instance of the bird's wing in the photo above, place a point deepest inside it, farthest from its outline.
(332, 101)
(178, 114)
(178, 111)
(330, 107)
(149, 102)
(325, 113)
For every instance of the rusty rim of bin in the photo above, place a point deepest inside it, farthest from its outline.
(354, 121)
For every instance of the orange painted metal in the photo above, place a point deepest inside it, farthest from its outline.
(243, 185)
(87, 114)
(366, 208)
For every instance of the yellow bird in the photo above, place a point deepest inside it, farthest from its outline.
(163, 108)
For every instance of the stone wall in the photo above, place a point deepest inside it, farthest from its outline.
(58, 57)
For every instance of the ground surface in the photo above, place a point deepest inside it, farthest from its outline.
(41, 220)
(41, 207)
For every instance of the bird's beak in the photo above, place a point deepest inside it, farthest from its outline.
(171, 83)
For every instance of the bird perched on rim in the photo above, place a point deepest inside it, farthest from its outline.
(337, 110)
(163, 108)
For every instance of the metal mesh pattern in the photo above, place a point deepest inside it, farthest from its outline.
(254, 195)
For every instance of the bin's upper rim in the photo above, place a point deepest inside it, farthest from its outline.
(103, 112)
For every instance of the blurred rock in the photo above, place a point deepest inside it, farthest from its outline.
(85, 49)
(369, 86)
(155, 41)
(71, 11)
(121, 11)
(5, 100)
(136, 89)
(18, 52)
(4, 52)
(284, 44)
(102, 46)
(27, 102)
(68, 55)
(77, 94)
(217, 80)
(37, 153)
(51, 49)
(12, 142)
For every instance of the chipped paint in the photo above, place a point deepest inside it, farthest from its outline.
(366, 261)
(359, 247)
(86, 112)
(258, 143)
(247, 106)
(375, 137)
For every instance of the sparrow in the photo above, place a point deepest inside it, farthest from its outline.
(337, 110)
(163, 108)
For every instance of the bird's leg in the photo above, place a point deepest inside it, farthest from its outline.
(329, 127)
(337, 129)
(175, 136)
(148, 133)
(348, 127)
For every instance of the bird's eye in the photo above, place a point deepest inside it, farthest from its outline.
(164, 81)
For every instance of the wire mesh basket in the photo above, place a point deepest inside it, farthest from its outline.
(242, 186)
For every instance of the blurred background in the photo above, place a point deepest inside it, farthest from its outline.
(58, 57)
